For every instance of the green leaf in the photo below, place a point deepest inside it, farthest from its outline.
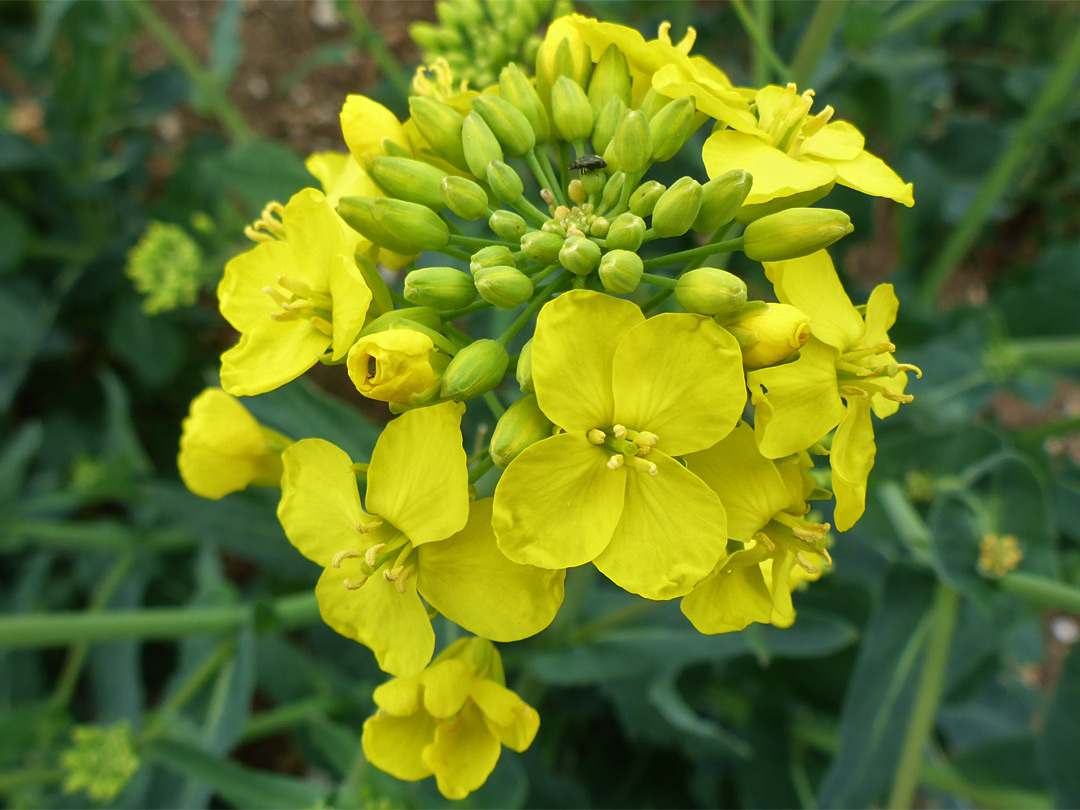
(664, 694)
(1007, 763)
(15, 459)
(227, 46)
(260, 171)
(14, 234)
(815, 634)
(1060, 738)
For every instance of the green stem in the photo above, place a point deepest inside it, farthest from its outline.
(454, 314)
(782, 71)
(288, 715)
(659, 281)
(815, 42)
(617, 618)
(1037, 434)
(460, 255)
(493, 404)
(1041, 591)
(476, 243)
(373, 42)
(527, 314)
(190, 687)
(763, 19)
(1060, 352)
(911, 14)
(927, 697)
(1024, 141)
(530, 211)
(694, 253)
(716, 238)
(478, 472)
(540, 166)
(906, 519)
(29, 777)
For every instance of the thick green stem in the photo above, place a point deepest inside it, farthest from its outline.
(760, 40)
(497, 408)
(454, 314)
(1059, 352)
(190, 687)
(1042, 432)
(906, 519)
(911, 14)
(815, 42)
(288, 715)
(1041, 591)
(659, 281)
(540, 166)
(694, 253)
(481, 468)
(476, 243)
(716, 238)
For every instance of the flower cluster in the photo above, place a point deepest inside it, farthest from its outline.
(676, 452)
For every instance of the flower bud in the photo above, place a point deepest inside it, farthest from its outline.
(475, 370)
(523, 372)
(518, 90)
(491, 256)
(571, 112)
(439, 287)
(358, 213)
(409, 179)
(721, 199)
(671, 127)
(772, 336)
(464, 197)
(541, 247)
(645, 197)
(620, 271)
(505, 183)
(414, 227)
(626, 232)
(508, 225)
(631, 145)
(580, 255)
(794, 233)
(599, 227)
(522, 424)
(710, 291)
(440, 124)
(424, 317)
(677, 208)
(479, 144)
(651, 103)
(613, 189)
(400, 365)
(610, 79)
(570, 58)
(607, 121)
(504, 287)
(576, 190)
(593, 182)
(510, 126)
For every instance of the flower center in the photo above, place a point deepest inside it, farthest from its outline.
(392, 557)
(298, 300)
(791, 123)
(800, 536)
(628, 447)
(268, 227)
(861, 373)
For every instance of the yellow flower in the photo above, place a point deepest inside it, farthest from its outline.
(224, 449)
(292, 299)
(765, 503)
(396, 365)
(418, 537)
(451, 720)
(845, 371)
(630, 394)
(796, 158)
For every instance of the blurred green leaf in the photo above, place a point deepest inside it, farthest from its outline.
(226, 46)
(1060, 737)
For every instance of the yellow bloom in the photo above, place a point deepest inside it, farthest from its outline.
(630, 394)
(845, 371)
(418, 537)
(451, 720)
(292, 299)
(224, 449)
(765, 508)
(796, 158)
(396, 365)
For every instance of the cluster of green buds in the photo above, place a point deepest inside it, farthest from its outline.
(165, 266)
(100, 761)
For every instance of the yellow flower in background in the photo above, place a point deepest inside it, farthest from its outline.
(630, 394)
(844, 372)
(224, 449)
(292, 298)
(419, 537)
(796, 158)
(396, 365)
(449, 721)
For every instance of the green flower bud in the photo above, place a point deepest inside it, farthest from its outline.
(593, 182)
(440, 124)
(571, 112)
(607, 121)
(480, 145)
(541, 247)
(626, 232)
(505, 183)
(523, 372)
(409, 179)
(522, 424)
(632, 145)
(599, 227)
(518, 90)
(610, 79)
(464, 197)
(359, 214)
(504, 287)
(554, 226)
(510, 126)
(573, 61)
(771, 336)
(580, 255)
(620, 271)
(475, 370)
(793, 233)
(491, 256)
(804, 199)
(613, 189)
(425, 35)
(645, 197)
(651, 103)
(439, 287)
(721, 199)
(414, 227)
(576, 190)
(677, 208)
(710, 291)
(671, 127)
(508, 225)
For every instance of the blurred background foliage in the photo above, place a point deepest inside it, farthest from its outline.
(158, 650)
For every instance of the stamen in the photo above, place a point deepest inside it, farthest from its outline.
(299, 305)
(805, 564)
(547, 196)
(323, 325)
(287, 315)
(258, 236)
(372, 553)
(616, 461)
(854, 391)
(596, 436)
(859, 371)
(368, 528)
(646, 439)
(354, 586)
(641, 464)
(895, 397)
(907, 367)
(278, 297)
(296, 286)
(403, 578)
(348, 554)
(765, 540)
(619, 431)
(864, 351)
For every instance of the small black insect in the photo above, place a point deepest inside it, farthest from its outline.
(370, 366)
(588, 163)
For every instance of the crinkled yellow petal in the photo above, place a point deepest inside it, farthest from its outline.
(852, 458)
(731, 599)
(811, 284)
(679, 376)
(418, 479)
(797, 403)
(468, 580)
(446, 687)
(396, 744)
(775, 174)
(269, 355)
(365, 123)
(241, 295)
(572, 355)
(557, 503)
(317, 237)
(398, 696)
(870, 175)
(702, 82)
(837, 140)
(320, 504)
(749, 485)
(672, 532)
(509, 717)
(351, 297)
(395, 626)
(463, 754)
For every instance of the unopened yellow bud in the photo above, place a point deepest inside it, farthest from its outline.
(576, 191)
(440, 124)
(771, 336)
(710, 291)
(794, 233)
(620, 271)
(409, 179)
(439, 287)
(626, 232)
(677, 208)
(518, 90)
(504, 287)
(505, 183)
(645, 197)
(671, 127)
(523, 424)
(721, 199)
(508, 225)
(631, 147)
(491, 256)
(399, 365)
(480, 145)
(610, 79)
(580, 255)
(571, 112)
(475, 370)
(523, 371)
(510, 126)
(541, 247)
(606, 122)
(464, 197)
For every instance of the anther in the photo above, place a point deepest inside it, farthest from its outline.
(547, 196)
(278, 297)
(295, 286)
(562, 212)
(854, 391)
(258, 236)
(765, 540)
(892, 395)
(907, 367)
(646, 439)
(641, 464)
(372, 553)
(596, 436)
(354, 586)
(368, 528)
(348, 554)
(805, 564)
(619, 431)
(616, 461)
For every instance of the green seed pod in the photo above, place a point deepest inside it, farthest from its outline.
(626, 232)
(645, 197)
(480, 145)
(523, 372)
(671, 127)
(721, 199)
(794, 233)
(580, 255)
(409, 179)
(571, 112)
(510, 126)
(504, 287)
(414, 226)
(508, 225)
(474, 371)
(439, 287)
(632, 145)
(541, 247)
(440, 124)
(613, 189)
(710, 291)
(620, 271)
(491, 256)
(505, 183)
(677, 208)
(523, 424)
(518, 90)
(606, 122)
(610, 79)
(464, 197)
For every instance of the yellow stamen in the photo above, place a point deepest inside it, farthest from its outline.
(372, 553)
(616, 461)
(805, 564)
(348, 554)
(323, 326)
(596, 436)
(353, 586)
(854, 391)
(641, 464)
(368, 528)
(619, 431)
(258, 236)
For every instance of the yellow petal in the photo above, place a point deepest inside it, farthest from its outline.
(881, 309)
(837, 140)
(396, 744)
(446, 687)
(341, 176)
(317, 237)
(271, 354)
(781, 583)
(852, 458)
(811, 284)
(573, 350)
(351, 297)
(418, 479)
(509, 717)
(395, 626)
(671, 534)
(870, 175)
(702, 83)
(463, 754)
(470, 582)
(679, 376)
(365, 123)
(729, 600)
(398, 696)
(775, 174)
(557, 503)
(240, 292)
